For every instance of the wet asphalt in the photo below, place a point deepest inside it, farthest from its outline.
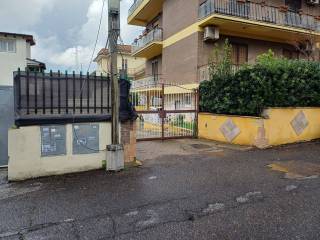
(190, 194)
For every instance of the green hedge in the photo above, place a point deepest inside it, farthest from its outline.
(272, 82)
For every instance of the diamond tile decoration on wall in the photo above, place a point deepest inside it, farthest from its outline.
(299, 123)
(230, 130)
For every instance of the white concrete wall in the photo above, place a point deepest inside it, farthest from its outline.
(25, 159)
(11, 61)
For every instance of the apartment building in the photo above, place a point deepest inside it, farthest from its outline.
(15, 52)
(135, 66)
(179, 35)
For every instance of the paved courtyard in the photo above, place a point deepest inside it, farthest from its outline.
(186, 189)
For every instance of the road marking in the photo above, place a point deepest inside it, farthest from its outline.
(248, 196)
(214, 208)
(153, 219)
(290, 188)
(131, 214)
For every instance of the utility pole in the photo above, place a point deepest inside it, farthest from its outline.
(115, 156)
(114, 31)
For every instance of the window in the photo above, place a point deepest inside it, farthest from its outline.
(124, 63)
(155, 70)
(293, 5)
(239, 54)
(7, 45)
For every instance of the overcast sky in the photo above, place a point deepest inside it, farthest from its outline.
(61, 26)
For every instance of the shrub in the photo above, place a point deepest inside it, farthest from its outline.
(271, 82)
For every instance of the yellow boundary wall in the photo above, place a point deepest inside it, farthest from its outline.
(277, 126)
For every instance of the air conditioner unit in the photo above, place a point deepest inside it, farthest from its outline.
(211, 33)
(313, 2)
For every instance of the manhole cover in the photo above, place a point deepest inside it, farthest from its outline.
(200, 146)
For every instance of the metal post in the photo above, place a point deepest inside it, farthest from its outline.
(196, 112)
(162, 115)
(115, 153)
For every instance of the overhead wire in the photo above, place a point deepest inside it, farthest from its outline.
(115, 41)
(97, 37)
(85, 80)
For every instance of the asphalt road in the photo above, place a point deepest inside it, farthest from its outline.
(186, 191)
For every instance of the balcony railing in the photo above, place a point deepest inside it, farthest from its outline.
(134, 6)
(144, 82)
(259, 12)
(152, 36)
(204, 71)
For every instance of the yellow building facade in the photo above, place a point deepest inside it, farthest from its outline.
(135, 65)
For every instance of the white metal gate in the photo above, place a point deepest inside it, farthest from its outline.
(165, 111)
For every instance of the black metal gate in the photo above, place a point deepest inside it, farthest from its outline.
(165, 111)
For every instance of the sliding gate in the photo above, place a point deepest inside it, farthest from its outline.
(165, 111)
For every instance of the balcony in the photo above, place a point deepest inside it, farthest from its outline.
(254, 20)
(149, 45)
(204, 71)
(141, 84)
(143, 11)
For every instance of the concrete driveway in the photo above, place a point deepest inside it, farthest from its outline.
(186, 189)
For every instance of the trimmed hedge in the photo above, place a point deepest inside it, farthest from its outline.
(271, 82)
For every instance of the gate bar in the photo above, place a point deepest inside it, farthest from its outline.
(162, 109)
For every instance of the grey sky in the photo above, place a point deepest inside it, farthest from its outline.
(59, 26)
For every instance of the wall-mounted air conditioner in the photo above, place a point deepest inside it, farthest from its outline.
(313, 2)
(211, 33)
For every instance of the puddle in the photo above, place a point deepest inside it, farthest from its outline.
(297, 169)
(200, 146)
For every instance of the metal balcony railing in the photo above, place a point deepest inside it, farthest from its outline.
(259, 12)
(134, 6)
(152, 36)
(204, 71)
(144, 82)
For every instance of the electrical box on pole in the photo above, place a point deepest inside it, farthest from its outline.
(115, 154)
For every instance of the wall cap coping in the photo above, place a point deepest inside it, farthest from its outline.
(229, 115)
(264, 114)
(284, 108)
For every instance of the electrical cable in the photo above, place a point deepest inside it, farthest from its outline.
(115, 41)
(84, 83)
(97, 38)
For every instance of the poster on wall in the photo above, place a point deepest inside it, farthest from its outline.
(53, 140)
(85, 138)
